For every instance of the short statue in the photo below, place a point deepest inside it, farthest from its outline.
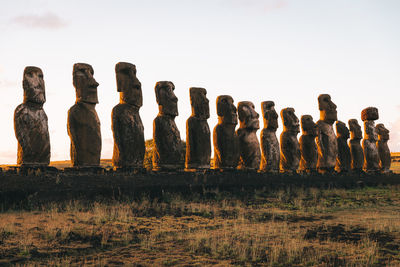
(83, 122)
(356, 151)
(308, 146)
(225, 139)
(167, 139)
(343, 162)
(127, 126)
(290, 149)
(250, 153)
(30, 121)
(270, 156)
(326, 139)
(371, 154)
(383, 148)
(198, 140)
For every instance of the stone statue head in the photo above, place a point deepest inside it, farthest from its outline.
(248, 117)
(290, 120)
(269, 115)
(226, 110)
(369, 114)
(33, 84)
(327, 109)
(308, 126)
(370, 131)
(84, 83)
(199, 102)
(355, 130)
(166, 99)
(128, 84)
(342, 130)
(383, 133)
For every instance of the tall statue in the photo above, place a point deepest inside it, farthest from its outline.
(198, 140)
(383, 148)
(30, 121)
(83, 122)
(269, 142)
(326, 139)
(357, 154)
(250, 153)
(371, 154)
(127, 126)
(167, 139)
(290, 149)
(308, 146)
(343, 162)
(225, 139)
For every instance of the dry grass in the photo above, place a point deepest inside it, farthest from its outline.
(292, 227)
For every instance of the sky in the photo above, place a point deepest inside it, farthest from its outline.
(287, 51)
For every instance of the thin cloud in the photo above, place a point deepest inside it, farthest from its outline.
(394, 142)
(45, 21)
(8, 83)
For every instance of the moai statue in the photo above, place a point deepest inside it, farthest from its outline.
(343, 161)
(167, 139)
(326, 139)
(127, 126)
(83, 122)
(371, 154)
(30, 121)
(225, 139)
(290, 149)
(198, 140)
(250, 153)
(308, 146)
(383, 148)
(356, 151)
(269, 142)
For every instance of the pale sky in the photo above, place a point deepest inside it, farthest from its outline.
(288, 51)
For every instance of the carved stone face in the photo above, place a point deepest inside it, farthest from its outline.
(33, 84)
(290, 120)
(370, 131)
(128, 84)
(355, 130)
(166, 99)
(383, 133)
(308, 126)
(341, 130)
(226, 110)
(85, 84)
(199, 102)
(248, 117)
(269, 114)
(327, 109)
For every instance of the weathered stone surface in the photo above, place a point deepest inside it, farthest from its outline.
(383, 148)
(371, 154)
(290, 149)
(270, 156)
(369, 114)
(326, 139)
(127, 126)
(83, 122)
(343, 162)
(198, 140)
(167, 139)
(357, 153)
(225, 139)
(30, 121)
(250, 153)
(308, 146)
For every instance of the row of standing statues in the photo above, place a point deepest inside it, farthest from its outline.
(319, 149)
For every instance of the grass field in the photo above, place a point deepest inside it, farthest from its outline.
(292, 227)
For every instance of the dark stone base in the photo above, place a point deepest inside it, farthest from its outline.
(31, 169)
(85, 170)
